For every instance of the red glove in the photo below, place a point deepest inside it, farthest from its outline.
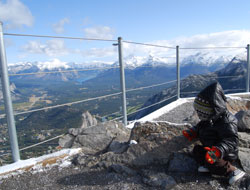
(212, 154)
(189, 134)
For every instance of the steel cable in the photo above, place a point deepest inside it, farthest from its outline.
(60, 37)
(53, 72)
(68, 104)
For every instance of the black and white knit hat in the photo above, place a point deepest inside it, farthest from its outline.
(203, 108)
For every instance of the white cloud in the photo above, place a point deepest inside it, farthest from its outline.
(100, 52)
(235, 38)
(102, 32)
(59, 26)
(56, 48)
(51, 48)
(15, 14)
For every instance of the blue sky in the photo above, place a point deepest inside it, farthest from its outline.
(188, 23)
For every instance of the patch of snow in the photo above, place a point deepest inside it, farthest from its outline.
(18, 167)
(170, 123)
(161, 111)
(132, 142)
(64, 164)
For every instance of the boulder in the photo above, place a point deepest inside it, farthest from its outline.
(96, 139)
(244, 140)
(243, 121)
(157, 141)
(118, 147)
(66, 141)
(244, 155)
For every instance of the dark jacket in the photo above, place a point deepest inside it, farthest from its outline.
(221, 130)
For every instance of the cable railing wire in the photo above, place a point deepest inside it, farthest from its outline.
(152, 105)
(141, 88)
(90, 99)
(143, 108)
(53, 72)
(34, 145)
(60, 37)
(117, 118)
(48, 140)
(225, 47)
(112, 40)
(227, 90)
(146, 44)
(68, 104)
(227, 77)
(118, 112)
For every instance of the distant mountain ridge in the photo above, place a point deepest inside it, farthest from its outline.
(130, 62)
(232, 78)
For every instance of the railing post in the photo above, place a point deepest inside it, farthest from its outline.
(7, 99)
(178, 72)
(122, 78)
(248, 68)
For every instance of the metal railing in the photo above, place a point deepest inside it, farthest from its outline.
(119, 42)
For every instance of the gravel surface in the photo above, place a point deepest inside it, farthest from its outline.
(73, 178)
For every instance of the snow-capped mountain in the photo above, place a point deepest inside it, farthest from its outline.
(193, 64)
(206, 59)
(54, 64)
(203, 59)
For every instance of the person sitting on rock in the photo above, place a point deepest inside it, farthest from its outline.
(218, 133)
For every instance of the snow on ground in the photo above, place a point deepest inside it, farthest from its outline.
(60, 158)
(161, 111)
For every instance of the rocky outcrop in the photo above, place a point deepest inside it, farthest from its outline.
(15, 94)
(95, 139)
(88, 120)
(160, 152)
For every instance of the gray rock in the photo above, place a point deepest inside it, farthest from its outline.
(244, 155)
(161, 180)
(182, 163)
(118, 147)
(244, 140)
(66, 141)
(121, 169)
(75, 131)
(93, 143)
(97, 139)
(88, 120)
(243, 121)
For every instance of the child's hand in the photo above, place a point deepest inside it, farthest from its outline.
(189, 134)
(212, 154)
